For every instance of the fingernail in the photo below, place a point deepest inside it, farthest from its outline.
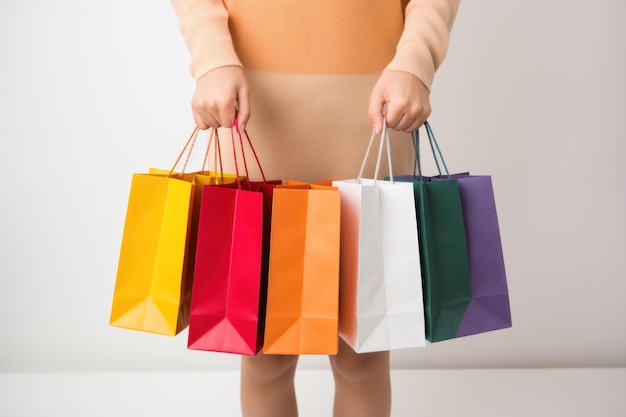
(376, 129)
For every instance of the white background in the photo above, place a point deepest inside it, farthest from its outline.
(532, 92)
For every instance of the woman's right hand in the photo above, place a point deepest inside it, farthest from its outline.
(220, 95)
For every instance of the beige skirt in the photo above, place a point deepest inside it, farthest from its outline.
(315, 127)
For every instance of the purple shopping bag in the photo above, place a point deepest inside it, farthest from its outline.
(489, 308)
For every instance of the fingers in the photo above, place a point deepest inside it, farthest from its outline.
(211, 111)
(243, 107)
(375, 111)
(406, 116)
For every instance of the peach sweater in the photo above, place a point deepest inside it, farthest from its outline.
(311, 66)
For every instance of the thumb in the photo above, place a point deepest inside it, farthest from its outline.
(243, 107)
(375, 110)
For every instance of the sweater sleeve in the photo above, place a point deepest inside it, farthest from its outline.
(204, 26)
(424, 41)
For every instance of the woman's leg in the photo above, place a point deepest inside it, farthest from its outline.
(362, 383)
(267, 386)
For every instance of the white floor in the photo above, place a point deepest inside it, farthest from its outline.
(431, 393)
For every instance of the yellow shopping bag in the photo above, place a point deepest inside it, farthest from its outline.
(150, 286)
(154, 278)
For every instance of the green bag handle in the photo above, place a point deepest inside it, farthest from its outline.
(415, 136)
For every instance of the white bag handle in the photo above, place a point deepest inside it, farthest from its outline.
(384, 138)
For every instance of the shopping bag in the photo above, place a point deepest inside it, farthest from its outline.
(381, 305)
(230, 275)
(489, 308)
(443, 248)
(303, 281)
(199, 179)
(151, 291)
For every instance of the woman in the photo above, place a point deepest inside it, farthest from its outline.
(307, 70)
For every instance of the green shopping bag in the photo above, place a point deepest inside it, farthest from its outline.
(443, 248)
(445, 265)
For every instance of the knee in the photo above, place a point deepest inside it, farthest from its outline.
(268, 368)
(352, 367)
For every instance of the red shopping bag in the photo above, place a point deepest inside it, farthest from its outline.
(230, 274)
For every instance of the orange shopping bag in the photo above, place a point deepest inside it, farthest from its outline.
(303, 283)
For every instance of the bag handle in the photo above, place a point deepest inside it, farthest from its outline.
(216, 151)
(433, 145)
(432, 140)
(217, 155)
(243, 154)
(187, 148)
(384, 139)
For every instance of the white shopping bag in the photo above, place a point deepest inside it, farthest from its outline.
(381, 306)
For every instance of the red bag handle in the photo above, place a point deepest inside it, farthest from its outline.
(243, 154)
